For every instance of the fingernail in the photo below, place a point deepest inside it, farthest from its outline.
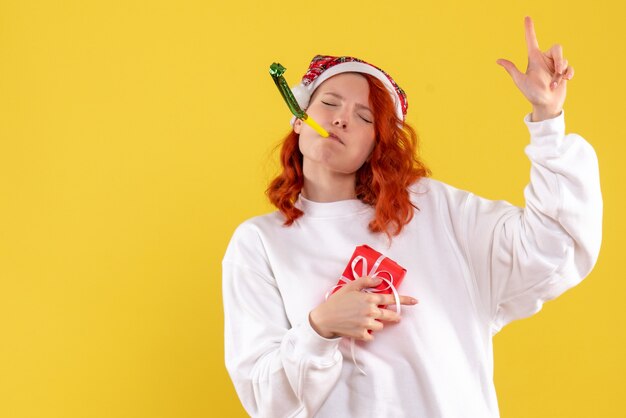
(414, 301)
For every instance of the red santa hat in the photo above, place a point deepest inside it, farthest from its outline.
(322, 67)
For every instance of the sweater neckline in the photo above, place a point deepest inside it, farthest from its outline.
(330, 209)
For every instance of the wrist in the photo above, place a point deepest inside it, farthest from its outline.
(540, 114)
(317, 323)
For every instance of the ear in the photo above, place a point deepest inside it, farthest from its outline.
(297, 126)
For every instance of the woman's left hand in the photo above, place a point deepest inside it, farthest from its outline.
(545, 80)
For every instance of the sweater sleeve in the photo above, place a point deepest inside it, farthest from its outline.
(278, 369)
(522, 257)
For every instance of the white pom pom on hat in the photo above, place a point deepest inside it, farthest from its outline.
(322, 67)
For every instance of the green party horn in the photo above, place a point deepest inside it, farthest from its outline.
(277, 71)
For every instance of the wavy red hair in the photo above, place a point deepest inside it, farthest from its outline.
(381, 182)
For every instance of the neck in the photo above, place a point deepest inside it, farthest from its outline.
(322, 185)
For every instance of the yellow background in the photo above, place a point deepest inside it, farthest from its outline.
(136, 135)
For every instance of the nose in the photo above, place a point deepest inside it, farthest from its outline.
(340, 119)
(340, 123)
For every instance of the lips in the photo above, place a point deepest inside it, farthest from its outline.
(334, 137)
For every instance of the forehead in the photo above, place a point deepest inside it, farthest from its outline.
(349, 84)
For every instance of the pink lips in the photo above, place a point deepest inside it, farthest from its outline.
(335, 137)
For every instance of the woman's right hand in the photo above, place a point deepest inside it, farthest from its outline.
(349, 312)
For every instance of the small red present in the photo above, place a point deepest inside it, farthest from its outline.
(366, 261)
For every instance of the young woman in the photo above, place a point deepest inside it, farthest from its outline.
(474, 264)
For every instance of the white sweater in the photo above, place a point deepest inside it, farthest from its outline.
(474, 264)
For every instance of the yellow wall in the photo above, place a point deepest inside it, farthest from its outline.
(136, 135)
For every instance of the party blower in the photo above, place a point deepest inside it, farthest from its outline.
(277, 71)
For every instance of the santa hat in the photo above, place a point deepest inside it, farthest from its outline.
(323, 67)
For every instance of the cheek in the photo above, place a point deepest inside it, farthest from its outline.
(368, 145)
(318, 112)
(359, 156)
(367, 150)
(372, 144)
(316, 150)
(308, 147)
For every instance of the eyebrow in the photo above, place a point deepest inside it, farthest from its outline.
(359, 105)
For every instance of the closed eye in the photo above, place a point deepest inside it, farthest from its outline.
(333, 104)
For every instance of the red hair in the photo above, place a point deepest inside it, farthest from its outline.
(381, 182)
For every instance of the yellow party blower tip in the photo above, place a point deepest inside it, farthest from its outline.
(277, 71)
(309, 121)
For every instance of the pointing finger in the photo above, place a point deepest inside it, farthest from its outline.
(531, 38)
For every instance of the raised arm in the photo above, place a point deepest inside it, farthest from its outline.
(522, 257)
